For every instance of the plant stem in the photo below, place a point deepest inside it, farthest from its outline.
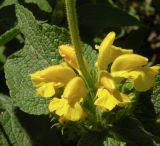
(74, 32)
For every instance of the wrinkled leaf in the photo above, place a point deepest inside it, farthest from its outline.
(11, 130)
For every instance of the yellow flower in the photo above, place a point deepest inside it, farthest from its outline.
(69, 106)
(108, 52)
(48, 80)
(68, 53)
(108, 95)
(132, 66)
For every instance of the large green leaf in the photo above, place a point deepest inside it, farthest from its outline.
(17, 69)
(102, 16)
(40, 51)
(11, 132)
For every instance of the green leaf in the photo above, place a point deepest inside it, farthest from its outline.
(42, 4)
(102, 16)
(40, 51)
(17, 70)
(155, 96)
(8, 35)
(39, 37)
(17, 136)
(90, 56)
(13, 133)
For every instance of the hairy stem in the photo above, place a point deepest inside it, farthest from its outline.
(74, 32)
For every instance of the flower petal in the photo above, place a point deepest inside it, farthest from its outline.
(104, 51)
(108, 52)
(117, 51)
(108, 41)
(46, 90)
(122, 98)
(68, 53)
(57, 73)
(106, 80)
(144, 78)
(128, 62)
(60, 106)
(75, 113)
(156, 68)
(75, 90)
(109, 100)
(106, 99)
(67, 112)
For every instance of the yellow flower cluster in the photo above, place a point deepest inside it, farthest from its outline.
(124, 65)
(49, 80)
